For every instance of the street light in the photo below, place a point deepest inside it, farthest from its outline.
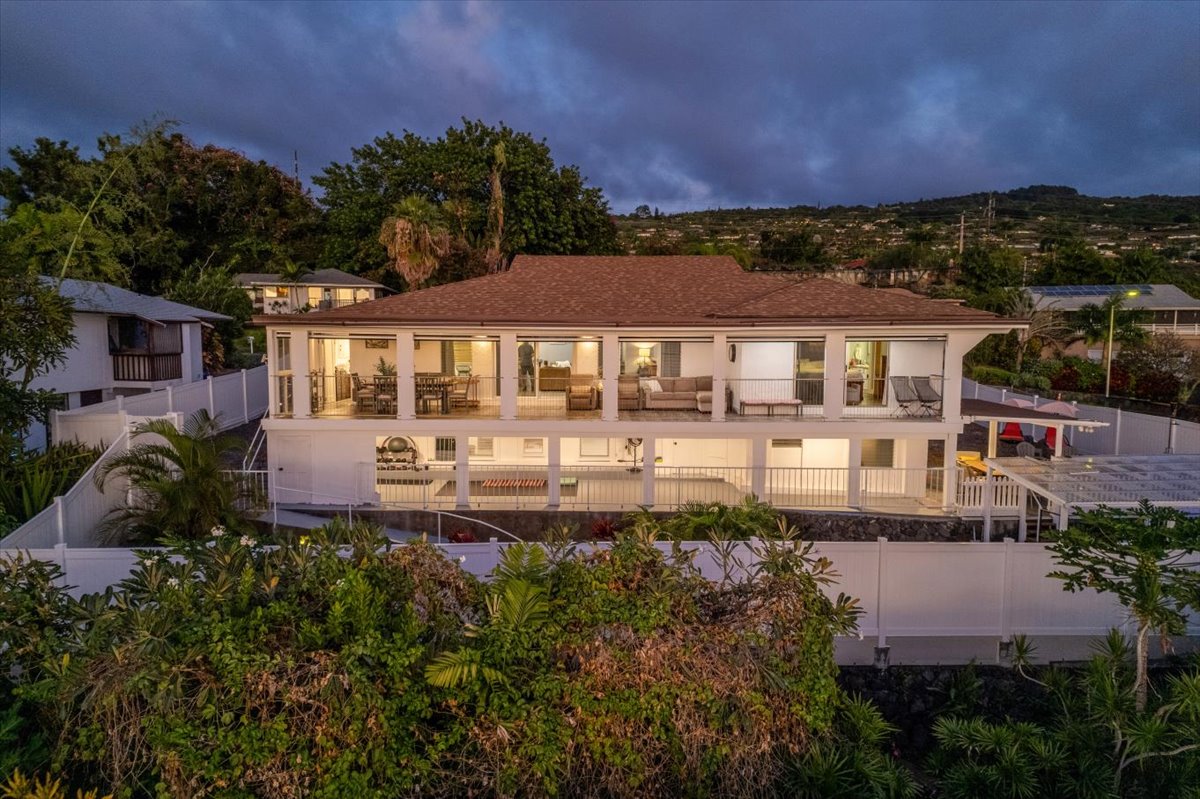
(1112, 317)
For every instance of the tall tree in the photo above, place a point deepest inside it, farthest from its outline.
(985, 269)
(1045, 324)
(416, 239)
(1147, 557)
(546, 208)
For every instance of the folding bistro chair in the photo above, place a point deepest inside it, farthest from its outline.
(927, 395)
(907, 400)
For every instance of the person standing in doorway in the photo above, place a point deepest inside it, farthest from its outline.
(525, 366)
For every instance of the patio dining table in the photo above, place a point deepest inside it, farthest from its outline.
(430, 387)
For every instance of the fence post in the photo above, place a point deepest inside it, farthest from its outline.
(1005, 602)
(60, 553)
(120, 403)
(212, 405)
(1174, 424)
(170, 399)
(60, 522)
(1003, 395)
(881, 644)
(1117, 435)
(245, 399)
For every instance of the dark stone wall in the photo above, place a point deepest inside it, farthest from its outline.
(815, 526)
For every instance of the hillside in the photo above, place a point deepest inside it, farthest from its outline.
(1024, 219)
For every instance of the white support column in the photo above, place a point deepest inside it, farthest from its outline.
(758, 466)
(649, 454)
(992, 438)
(462, 472)
(171, 394)
(508, 376)
(301, 391)
(854, 474)
(1022, 512)
(881, 605)
(1064, 517)
(835, 375)
(1058, 440)
(406, 370)
(212, 402)
(989, 486)
(610, 361)
(272, 380)
(957, 346)
(950, 474)
(719, 360)
(554, 470)
(1117, 434)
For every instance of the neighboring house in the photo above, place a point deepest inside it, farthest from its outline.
(1166, 308)
(125, 343)
(320, 290)
(613, 382)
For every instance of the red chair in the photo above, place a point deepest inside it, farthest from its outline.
(1012, 433)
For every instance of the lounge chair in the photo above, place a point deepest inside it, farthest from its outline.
(581, 393)
(907, 401)
(931, 400)
(629, 393)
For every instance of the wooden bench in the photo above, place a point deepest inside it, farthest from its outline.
(770, 405)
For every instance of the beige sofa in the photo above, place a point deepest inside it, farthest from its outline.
(678, 393)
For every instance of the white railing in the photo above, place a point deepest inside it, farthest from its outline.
(426, 488)
(809, 487)
(906, 590)
(237, 397)
(1006, 496)
(73, 518)
(891, 488)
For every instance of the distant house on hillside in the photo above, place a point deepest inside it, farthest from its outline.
(321, 290)
(125, 344)
(1167, 308)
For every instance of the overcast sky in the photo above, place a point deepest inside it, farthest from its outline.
(683, 106)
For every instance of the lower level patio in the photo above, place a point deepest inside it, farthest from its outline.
(619, 489)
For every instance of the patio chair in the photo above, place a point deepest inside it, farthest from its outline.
(1026, 450)
(465, 392)
(930, 399)
(385, 394)
(430, 392)
(907, 401)
(363, 394)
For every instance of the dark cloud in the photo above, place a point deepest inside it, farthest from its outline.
(680, 106)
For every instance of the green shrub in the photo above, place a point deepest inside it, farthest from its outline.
(992, 376)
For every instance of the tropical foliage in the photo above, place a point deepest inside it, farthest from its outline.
(223, 667)
(30, 483)
(1148, 557)
(178, 481)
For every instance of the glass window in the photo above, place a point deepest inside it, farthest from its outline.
(878, 452)
(283, 353)
(593, 447)
(482, 447)
(444, 448)
(533, 446)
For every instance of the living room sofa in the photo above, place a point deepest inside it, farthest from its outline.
(678, 393)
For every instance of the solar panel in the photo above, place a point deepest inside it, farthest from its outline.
(1090, 291)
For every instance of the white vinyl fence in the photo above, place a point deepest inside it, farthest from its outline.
(927, 590)
(72, 519)
(1128, 433)
(238, 397)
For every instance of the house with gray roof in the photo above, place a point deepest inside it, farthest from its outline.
(125, 343)
(322, 290)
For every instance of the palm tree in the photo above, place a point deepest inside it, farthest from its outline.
(1092, 324)
(291, 273)
(178, 482)
(416, 239)
(1046, 324)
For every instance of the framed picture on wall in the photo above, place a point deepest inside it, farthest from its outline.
(376, 343)
(534, 446)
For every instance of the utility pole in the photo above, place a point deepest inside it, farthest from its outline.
(296, 164)
(962, 229)
(990, 214)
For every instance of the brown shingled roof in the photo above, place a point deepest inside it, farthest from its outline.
(661, 291)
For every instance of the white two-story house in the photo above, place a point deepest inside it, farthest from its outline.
(125, 343)
(613, 382)
(314, 291)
